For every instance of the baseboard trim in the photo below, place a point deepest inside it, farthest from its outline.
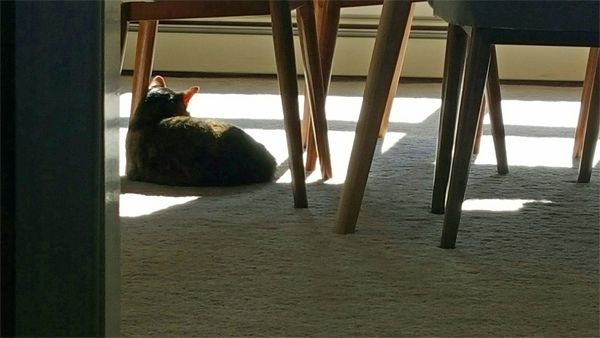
(405, 80)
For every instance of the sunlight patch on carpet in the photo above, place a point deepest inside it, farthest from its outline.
(135, 205)
(556, 114)
(532, 152)
(238, 106)
(124, 104)
(273, 139)
(404, 109)
(498, 204)
(340, 145)
(390, 140)
(122, 153)
(413, 109)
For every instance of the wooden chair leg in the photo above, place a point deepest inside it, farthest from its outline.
(327, 14)
(309, 142)
(479, 131)
(144, 58)
(142, 67)
(591, 129)
(124, 27)
(288, 86)
(396, 79)
(492, 92)
(307, 131)
(314, 79)
(305, 119)
(476, 69)
(453, 69)
(586, 96)
(385, 56)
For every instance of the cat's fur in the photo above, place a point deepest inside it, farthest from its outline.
(165, 145)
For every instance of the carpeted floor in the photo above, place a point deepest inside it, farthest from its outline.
(242, 261)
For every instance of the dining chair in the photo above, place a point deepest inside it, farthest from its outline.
(327, 14)
(388, 41)
(148, 14)
(391, 39)
(485, 24)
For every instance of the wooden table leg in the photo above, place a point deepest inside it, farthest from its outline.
(144, 58)
(591, 129)
(288, 86)
(385, 56)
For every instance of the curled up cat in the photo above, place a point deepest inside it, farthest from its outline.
(165, 145)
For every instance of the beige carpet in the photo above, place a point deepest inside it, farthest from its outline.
(242, 261)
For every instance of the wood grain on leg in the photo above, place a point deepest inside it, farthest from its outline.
(288, 87)
(591, 129)
(327, 14)
(586, 96)
(144, 58)
(314, 79)
(124, 28)
(396, 79)
(385, 56)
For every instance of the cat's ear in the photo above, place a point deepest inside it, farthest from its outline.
(188, 93)
(158, 81)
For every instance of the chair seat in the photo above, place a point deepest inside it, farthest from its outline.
(184, 9)
(521, 15)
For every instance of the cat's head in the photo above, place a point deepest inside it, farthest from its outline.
(162, 102)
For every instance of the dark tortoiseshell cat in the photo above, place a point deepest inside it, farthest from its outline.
(165, 145)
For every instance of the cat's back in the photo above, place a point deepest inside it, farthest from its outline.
(166, 145)
(210, 152)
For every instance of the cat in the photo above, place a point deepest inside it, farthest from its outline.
(165, 145)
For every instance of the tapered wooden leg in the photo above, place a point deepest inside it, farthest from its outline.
(307, 131)
(453, 69)
(492, 92)
(311, 147)
(288, 86)
(385, 56)
(476, 68)
(142, 67)
(314, 78)
(396, 79)
(586, 96)
(305, 119)
(479, 131)
(144, 58)
(327, 14)
(591, 129)
(124, 27)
